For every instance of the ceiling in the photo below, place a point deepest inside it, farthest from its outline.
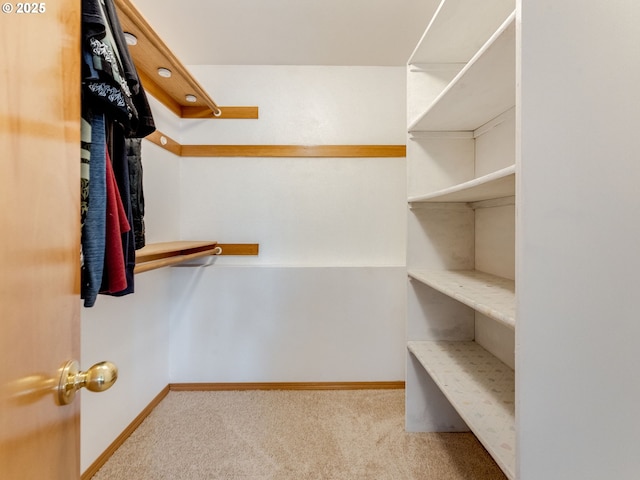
(289, 32)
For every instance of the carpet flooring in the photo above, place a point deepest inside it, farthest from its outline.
(292, 435)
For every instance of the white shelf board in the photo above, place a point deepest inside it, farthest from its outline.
(482, 90)
(482, 390)
(498, 184)
(488, 294)
(458, 30)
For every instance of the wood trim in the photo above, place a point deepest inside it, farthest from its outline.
(213, 387)
(169, 144)
(332, 151)
(117, 443)
(239, 248)
(296, 151)
(247, 113)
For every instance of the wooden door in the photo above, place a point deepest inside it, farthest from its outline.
(39, 236)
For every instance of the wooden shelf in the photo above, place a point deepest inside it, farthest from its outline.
(458, 30)
(295, 151)
(482, 90)
(498, 184)
(482, 390)
(159, 255)
(488, 294)
(151, 53)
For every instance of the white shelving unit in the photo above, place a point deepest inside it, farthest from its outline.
(576, 259)
(462, 187)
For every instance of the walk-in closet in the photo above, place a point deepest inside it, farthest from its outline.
(428, 204)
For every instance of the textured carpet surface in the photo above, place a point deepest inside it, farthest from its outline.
(287, 435)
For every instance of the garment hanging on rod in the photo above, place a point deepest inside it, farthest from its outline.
(94, 225)
(134, 155)
(114, 278)
(112, 92)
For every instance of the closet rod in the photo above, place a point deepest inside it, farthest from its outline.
(168, 261)
(131, 13)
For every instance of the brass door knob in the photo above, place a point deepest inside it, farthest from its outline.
(98, 378)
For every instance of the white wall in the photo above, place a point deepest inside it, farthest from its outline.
(578, 387)
(288, 324)
(133, 331)
(325, 299)
(302, 211)
(303, 105)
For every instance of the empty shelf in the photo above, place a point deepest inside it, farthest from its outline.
(482, 90)
(501, 183)
(488, 294)
(482, 390)
(459, 29)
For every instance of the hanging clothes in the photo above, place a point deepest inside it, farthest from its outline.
(134, 155)
(116, 107)
(104, 85)
(143, 124)
(94, 227)
(85, 157)
(114, 278)
(121, 171)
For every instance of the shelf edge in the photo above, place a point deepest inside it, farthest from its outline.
(501, 317)
(461, 187)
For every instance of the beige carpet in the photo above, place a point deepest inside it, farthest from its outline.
(292, 435)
